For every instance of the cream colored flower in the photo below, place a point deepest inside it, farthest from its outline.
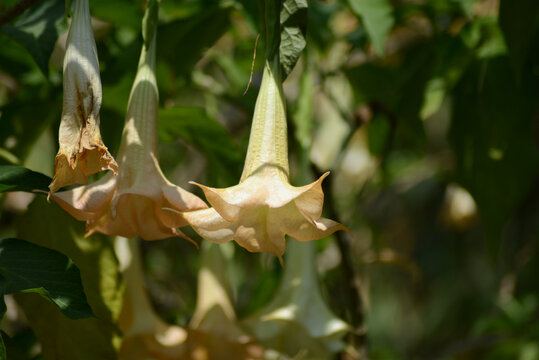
(297, 321)
(132, 203)
(263, 208)
(82, 151)
(214, 332)
(145, 334)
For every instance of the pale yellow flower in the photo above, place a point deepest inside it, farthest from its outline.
(132, 203)
(297, 320)
(82, 151)
(145, 334)
(263, 208)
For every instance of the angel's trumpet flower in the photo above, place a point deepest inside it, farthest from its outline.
(145, 334)
(132, 203)
(214, 332)
(297, 320)
(82, 151)
(263, 208)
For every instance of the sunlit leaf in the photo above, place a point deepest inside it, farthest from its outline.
(19, 178)
(38, 29)
(89, 339)
(31, 268)
(377, 16)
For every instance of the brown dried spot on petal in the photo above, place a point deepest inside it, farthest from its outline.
(74, 167)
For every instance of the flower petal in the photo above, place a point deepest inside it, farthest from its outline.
(210, 225)
(82, 152)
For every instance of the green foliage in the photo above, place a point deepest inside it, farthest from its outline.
(488, 146)
(25, 267)
(192, 36)
(520, 24)
(94, 338)
(209, 137)
(18, 178)
(377, 17)
(402, 100)
(293, 30)
(38, 30)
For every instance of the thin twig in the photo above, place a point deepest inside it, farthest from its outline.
(252, 66)
(15, 11)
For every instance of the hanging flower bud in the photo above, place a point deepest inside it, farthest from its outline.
(132, 203)
(297, 321)
(263, 208)
(82, 151)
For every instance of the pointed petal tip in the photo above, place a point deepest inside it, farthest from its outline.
(180, 234)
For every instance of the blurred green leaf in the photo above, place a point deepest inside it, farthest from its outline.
(208, 136)
(377, 16)
(397, 92)
(293, 32)
(27, 267)
(18, 178)
(492, 137)
(119, 12)
(182, 42)
(88, 339)
(38, 29)
(378, 131)
(467, 6)
(519, 21)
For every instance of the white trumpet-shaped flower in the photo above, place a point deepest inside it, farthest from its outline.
(297, 321)
(82, 151)
(145, 334)
(263, 208)
(132, 203)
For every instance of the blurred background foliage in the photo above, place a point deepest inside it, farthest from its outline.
(425, 111)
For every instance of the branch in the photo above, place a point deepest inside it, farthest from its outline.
(358, 338)
(15, 11)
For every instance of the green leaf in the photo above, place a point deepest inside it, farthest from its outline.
(38, 30)
(377, 16)
(119, 12)
(18, 178)
(293, 32)
(492, 136)
(204, 133)
(182, 42)
(32, 268)
(397, 93)
(519, 21)
(61, 337)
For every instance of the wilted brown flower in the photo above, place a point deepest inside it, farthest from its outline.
(82, 151)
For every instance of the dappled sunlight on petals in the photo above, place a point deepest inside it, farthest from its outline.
(263, 208)
(133, 202)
